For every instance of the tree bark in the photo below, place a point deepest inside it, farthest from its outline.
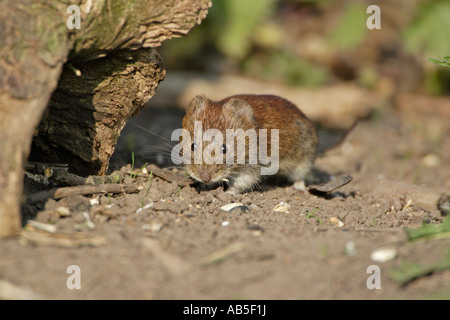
(107, 71)
(87, 112)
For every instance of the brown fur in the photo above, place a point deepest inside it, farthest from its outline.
(297, 136)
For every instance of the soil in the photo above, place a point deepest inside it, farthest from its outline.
(171, 242)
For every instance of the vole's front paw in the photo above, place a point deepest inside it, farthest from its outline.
(233, 191)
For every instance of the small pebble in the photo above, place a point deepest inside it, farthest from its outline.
(94, 201)
(383, 254)
(444, 205)
(230, 206)
(148, 205)
(282, 207)
(63, 211)
(336, 221)
(350, 248)
(430, 160)
(235, 206)
(153, 226)
(89, 223)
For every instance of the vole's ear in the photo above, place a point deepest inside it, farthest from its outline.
(197, 103)
(240, 109)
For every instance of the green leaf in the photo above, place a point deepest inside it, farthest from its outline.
(409, 271)
(238, 20)
(406, 272)
(429, 32)
(351, 28)
(428, 231)
(443, 63)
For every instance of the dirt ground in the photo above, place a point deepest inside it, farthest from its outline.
(168, 242)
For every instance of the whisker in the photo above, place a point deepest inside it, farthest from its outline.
(152, 147)
(173, 167)
(156, 153)
(168, 142)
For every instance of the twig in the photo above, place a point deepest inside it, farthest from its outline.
(62, 239)
(379, 229)
(59, 193)
(170, 176)
(42, 226)
(222, 254)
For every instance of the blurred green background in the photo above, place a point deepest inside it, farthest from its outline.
(315, 43)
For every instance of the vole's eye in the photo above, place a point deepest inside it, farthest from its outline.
(193, 146)
(224, 148)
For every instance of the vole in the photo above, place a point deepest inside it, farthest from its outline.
(211, 158)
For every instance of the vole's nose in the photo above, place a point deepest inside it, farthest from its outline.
(205, 176)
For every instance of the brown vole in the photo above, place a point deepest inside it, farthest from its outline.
(276, 137)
